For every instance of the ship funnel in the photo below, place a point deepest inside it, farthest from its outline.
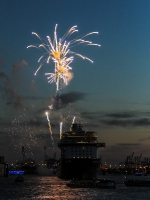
(76, 128)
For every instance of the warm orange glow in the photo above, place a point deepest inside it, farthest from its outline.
(56, 54)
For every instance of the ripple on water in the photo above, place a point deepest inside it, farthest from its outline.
(37, 187)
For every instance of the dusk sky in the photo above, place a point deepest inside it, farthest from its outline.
(110, 96)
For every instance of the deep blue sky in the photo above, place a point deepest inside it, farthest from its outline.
(110, 96)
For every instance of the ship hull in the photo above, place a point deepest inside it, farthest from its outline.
(79, 168)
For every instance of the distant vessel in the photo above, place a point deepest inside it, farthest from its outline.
(95, 183)
(134, 182)
(19, 179)
(79, 153)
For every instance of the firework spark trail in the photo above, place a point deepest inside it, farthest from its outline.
(50, 129)
(58, 51)
(49, 125)
(73, 120)
(61, 129)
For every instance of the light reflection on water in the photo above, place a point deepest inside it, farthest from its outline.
(36, 187)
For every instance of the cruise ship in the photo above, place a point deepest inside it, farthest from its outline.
(79, 153)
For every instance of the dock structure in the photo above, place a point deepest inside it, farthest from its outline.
(3, 167)
(134, 164)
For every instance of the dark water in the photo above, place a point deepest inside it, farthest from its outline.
(38, 187)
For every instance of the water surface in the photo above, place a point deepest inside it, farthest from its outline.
(45, 187)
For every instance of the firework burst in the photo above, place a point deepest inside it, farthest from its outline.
(59, 52)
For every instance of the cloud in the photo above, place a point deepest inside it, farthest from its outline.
(2, 63)
(30, 107)
(116, 119)
(33, 86)
(4, 122)
(64, 100)
(123, 145)
(17, 66)
(35, 122)
(35, 98)
(126, 123)
(91, 115)
(122, 119)
(18, 102)
(19, 73)
(120, 115)
(72, 97)
(117, 153)
(8, 79)
(144, 139)
(68, 99)
(2, 132)
(4, 139)
(12, 88)
(13, 98)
